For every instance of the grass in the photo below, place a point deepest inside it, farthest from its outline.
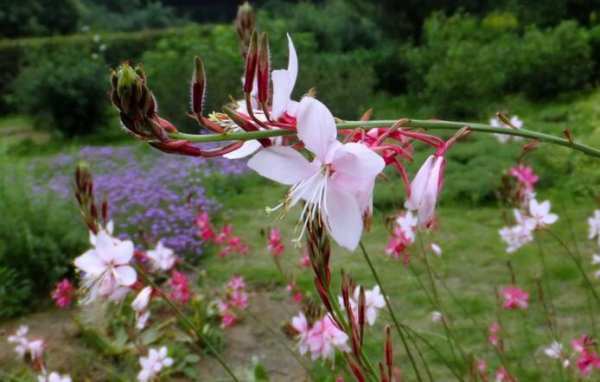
(473, 266)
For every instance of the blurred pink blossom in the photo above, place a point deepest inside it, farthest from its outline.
(63, 294)
(514, 298)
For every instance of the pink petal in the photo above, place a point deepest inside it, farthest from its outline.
(344, 218)
(125, 275)
(316, 127)
(292, 61)
(247, 149)
(358, 160)
(283, 83)
(90, 263)
(281, 164)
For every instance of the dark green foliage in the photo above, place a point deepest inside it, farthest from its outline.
(65, 92)
(131, 15)
(554, 60)
(15, 293)
(39, 233)
(38, 17)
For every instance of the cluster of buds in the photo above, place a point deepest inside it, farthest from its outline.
(84, 192)
(245, 24)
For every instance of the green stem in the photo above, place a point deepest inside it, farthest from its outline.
(409, 123)
(391, 312)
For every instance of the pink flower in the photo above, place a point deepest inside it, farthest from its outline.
(425, 188)
(493, 334)
(325, 337)
(397, 244)
(180, 287)
(502, 375)
(337, 185)
(297, 297)
(540, 213)
(301, 327)
(587, 359)
(63, 294)
(239, 299)
(205, 228)
(275, 245)
(228, 320)
(236, 283)
(305, 261)
(515, 298)
(525, 176)
(162, 258)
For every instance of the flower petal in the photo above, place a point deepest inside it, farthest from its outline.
(122, 252)
(343, 217)
(358, 160)
(90, 263)
(316, 127)
(281, 164)
(292, 61)
(282, 92)
(247, 149)
(125, 275)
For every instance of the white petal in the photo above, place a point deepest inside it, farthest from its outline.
(125, 275)
(344, 218)
(358, 160)
(123, 252)
(292, 61)
(281, 164)
(90, 263)
(247, 149)
(282, 92)
(419, 183)
(316, 127)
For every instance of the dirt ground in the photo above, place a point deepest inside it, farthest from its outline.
(253, 337)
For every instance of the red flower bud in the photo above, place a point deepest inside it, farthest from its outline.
(251, 62)
(198, 87)
(264, 68)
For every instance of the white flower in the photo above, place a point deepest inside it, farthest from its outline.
(300, 324)
(594, 224)
(540, 213)
(106, 267)
(554, 351)
(437, 250)
(20, 340)
(503, 138)
(516, 236)
(373, 302)
(153, 364)
(162, 257)
(337, 185)
(54, 377)
(110, 226)
(407, 222)
(436, 316)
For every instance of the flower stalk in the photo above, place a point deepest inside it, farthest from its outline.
(407, 123)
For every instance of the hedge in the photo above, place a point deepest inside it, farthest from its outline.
(118, 47)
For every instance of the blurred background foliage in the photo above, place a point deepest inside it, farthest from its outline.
(443, 59)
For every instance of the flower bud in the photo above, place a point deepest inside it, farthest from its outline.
(245, 24)
(198, 87)
(251, 61)
(264, 68)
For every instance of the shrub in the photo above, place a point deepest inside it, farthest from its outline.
(15, 292)
(594, 35)
(65, 91)
(38, 17)
(39, 233)
(554, 60)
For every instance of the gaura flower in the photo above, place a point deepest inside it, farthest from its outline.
(515, 298)
(141, 301)
(594, 225)
(373, 302)
(425, 188)
(337, 185)
(106, 267)
(63, 293)
(325, 337)
(540, 213)
(300, 325)
(153, 364)
(161, 257)
(180, 287)
(275, 245)
(54, 377)
(525, 176)
(554, 351)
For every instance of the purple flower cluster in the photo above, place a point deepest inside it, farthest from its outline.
(152, 195)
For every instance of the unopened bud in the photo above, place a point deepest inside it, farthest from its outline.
(264, 68)
(568, 134)
(129, 88)
(251, 62)
(245, 24)
(198, 87)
